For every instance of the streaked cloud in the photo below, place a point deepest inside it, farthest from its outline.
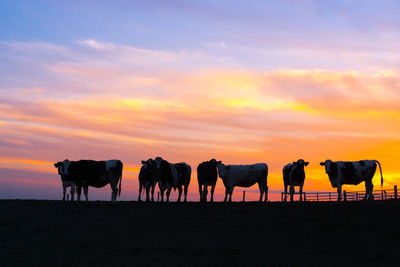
(243, 92)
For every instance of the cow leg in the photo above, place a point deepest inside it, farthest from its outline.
(168, 193)
(185, 191)
(180, 193)
(286, 186)
(140, 191)
(64, 190)
(301, 192)
(339, 191)
(230, 194)
(212, 193)
(266, 193)
(368, 188)
(85, 191)
(152, 193)
(226, 194)
(147, 193)
(261, 187)
(291, 190)
(205, 192)
(114, 190)
(201, 192)
(72, 192)
(79, 191)
(162, 195)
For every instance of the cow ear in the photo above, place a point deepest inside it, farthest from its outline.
(322, 164)
(305, 164)
(294, 162)
(55, 165)
(143, 162)
(219, 162)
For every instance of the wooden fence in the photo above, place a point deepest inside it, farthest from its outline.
(346, 196)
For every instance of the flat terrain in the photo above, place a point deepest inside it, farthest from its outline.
(55, 233)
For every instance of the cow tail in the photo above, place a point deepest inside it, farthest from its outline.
(380, 168)
(120, 180)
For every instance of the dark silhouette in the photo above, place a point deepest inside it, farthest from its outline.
(64, 179)
(244, 176)
(207, 175)
(352, 172)
(172, 175)
(294, 175)
(147, 178)
(85, 173)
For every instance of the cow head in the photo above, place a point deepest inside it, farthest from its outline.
(327, 165)
(214, 162)
(221, 169)
(158, 161)
(149, 162)
(62, 168)
(332, 171)
(301, 163)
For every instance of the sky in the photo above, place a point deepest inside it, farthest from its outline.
(240, 81)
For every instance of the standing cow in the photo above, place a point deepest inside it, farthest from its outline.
(172, 175)
(64, 179)
(294, 175)
(352, 172)
(244, 176)
(85, 173)
(147, 178)
(207, 175)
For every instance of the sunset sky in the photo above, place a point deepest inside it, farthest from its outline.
(239, 81)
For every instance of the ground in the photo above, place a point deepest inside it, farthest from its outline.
(55, 233)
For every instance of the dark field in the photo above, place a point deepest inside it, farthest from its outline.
(55, 233)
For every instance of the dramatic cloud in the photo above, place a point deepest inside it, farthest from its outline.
(103, 100)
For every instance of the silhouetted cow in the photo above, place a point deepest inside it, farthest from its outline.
(294, 175)
(85, 173)
(207, 175)
(244, 176)
(64, 179)
(147, 178)
(352, 172)
(172, 175)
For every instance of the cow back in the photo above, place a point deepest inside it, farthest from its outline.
(245, 175)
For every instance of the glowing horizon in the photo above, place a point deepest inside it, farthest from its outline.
(190, 81)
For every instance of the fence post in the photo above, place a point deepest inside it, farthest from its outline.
(317, 197)
(244, 196)
(382, 195)
(356, 195)
(395, 191)
(158, 196)
(344, 195)
(330, 196)
(281, 196)
(304, 196)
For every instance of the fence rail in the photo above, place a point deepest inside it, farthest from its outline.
(384, 194)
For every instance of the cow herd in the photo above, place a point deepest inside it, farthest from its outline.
(84, 173)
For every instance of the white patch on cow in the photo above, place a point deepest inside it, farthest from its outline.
(242, 175)
(64, 169)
